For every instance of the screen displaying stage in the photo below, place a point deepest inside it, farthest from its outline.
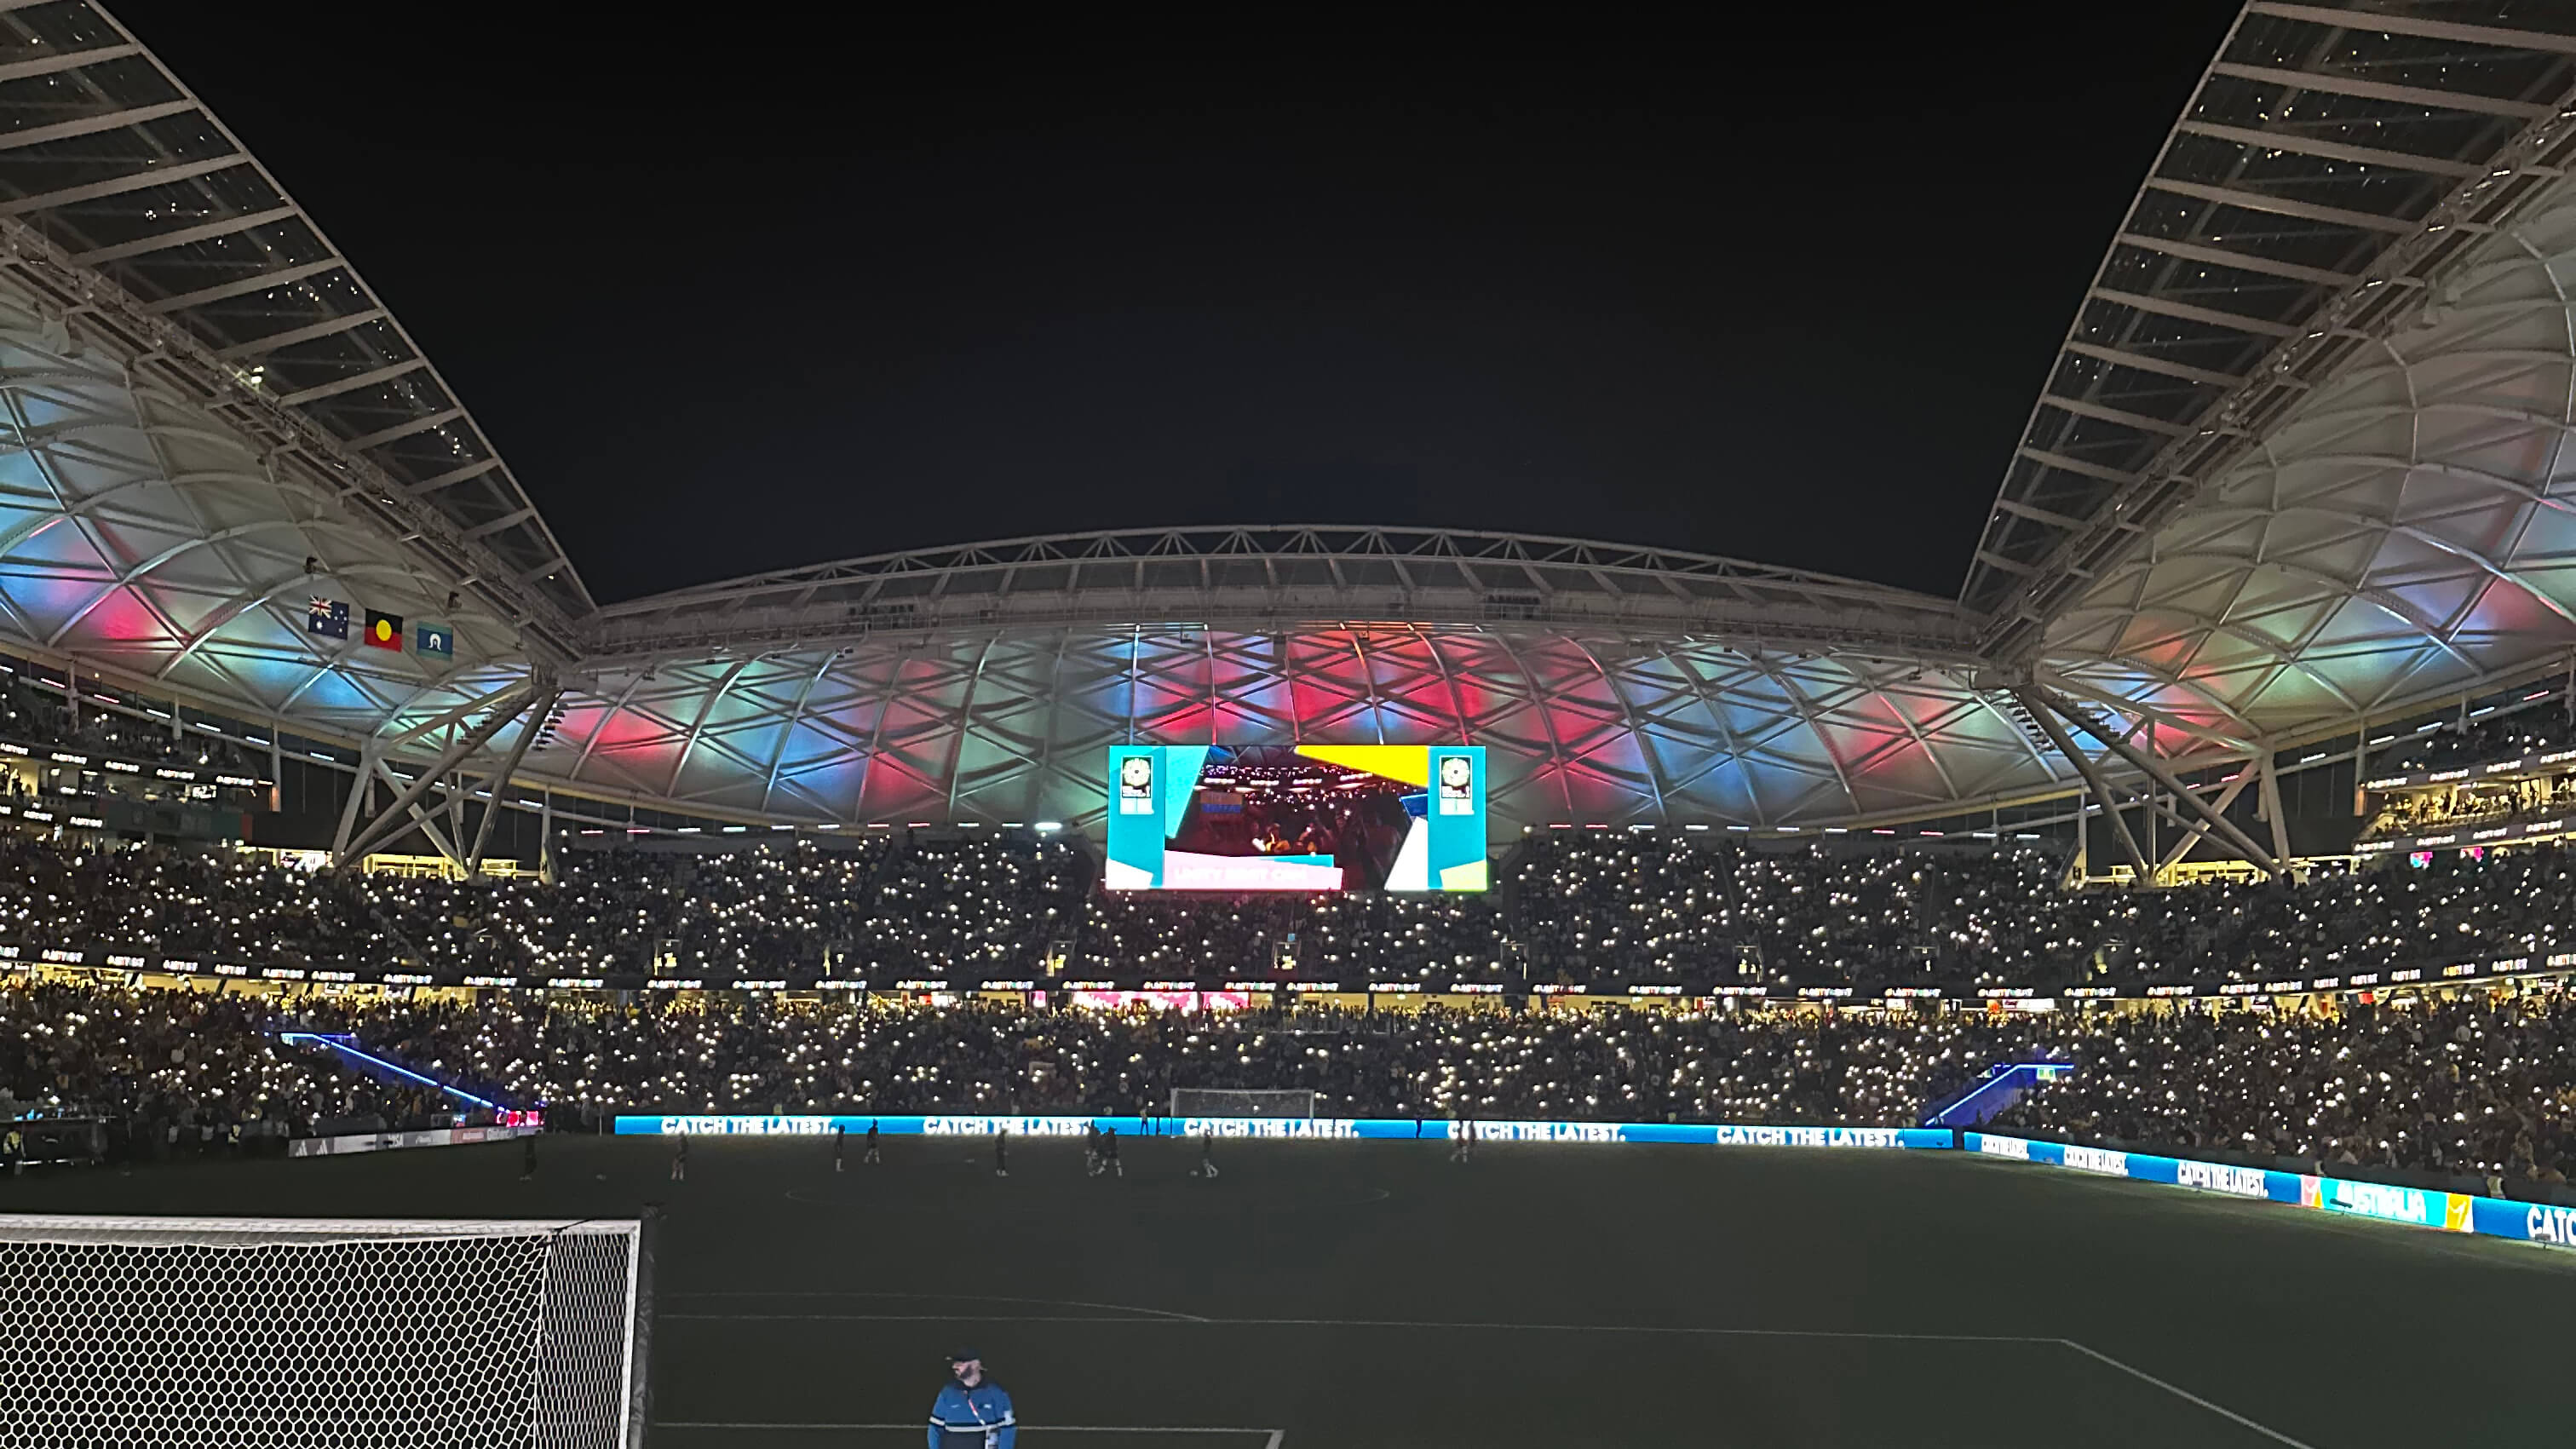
(1297, 818)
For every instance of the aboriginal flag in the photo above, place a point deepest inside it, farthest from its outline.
(384, 631)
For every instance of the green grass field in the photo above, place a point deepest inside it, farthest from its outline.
(1376, 1294)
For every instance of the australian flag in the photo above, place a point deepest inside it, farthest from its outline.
(329, 617)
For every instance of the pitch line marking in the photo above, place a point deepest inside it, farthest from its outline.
(1272, 1437)
(2187, 1395)
(1829, 1333)
(920, 1298)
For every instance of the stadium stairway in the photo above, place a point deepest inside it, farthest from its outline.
(383, 1069)
(2003, 1084)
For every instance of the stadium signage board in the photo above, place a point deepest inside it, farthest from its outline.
(2521, 764)
(1338, 1128)
(19, 958)
(130, 767)
(2456, 1212)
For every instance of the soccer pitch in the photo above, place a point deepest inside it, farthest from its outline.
(1377, 1294)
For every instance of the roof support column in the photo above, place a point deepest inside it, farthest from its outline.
(2194, 831)
(464, 747)
(546, 839)
(2270, 800)
(2156, 771)
(2102, 792)
(361, 790)
(537, 712)
(439, 841)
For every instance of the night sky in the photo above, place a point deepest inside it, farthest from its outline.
(733, 293)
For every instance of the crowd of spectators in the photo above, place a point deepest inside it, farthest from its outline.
(1629, 908)
(2533, 728)
(2471, 1087)
(46, 716)
(1600, 910)
(182, 1072)
(2480, 1086)
(2465, 805)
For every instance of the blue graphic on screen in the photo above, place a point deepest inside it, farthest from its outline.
(1297, 817)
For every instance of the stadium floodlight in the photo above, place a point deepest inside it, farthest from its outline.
(352, 1334)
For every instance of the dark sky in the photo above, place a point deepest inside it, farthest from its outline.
(732, 293)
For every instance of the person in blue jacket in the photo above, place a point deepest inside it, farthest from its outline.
(972, 1411)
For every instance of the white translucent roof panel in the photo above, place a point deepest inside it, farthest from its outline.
(1014, 724)
(2333, 157)
(110, 157)
(145, 536)
(2406, 532)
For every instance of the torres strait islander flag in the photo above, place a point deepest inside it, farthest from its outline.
(384, 631)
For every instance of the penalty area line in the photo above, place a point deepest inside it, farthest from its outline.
(2187, 1395)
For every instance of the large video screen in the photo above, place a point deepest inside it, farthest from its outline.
(1297, 818)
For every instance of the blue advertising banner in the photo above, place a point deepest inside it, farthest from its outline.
(2456, 1212)
(1292, 1128)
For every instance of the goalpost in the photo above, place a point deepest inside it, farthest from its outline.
(309, 1332)
(1229, 1102)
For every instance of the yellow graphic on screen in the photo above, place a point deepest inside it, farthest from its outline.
(1408, 764)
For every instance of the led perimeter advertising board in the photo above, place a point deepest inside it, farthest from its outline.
(1297, 818)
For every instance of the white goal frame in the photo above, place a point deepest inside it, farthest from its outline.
(1278, 1102)
(538, 1329)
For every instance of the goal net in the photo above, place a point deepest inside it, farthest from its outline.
(1225, 1102)
(297, 1333)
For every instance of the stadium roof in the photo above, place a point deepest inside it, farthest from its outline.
(1275, 576)
(2299, 466)
(108, 156)
(2333, 160)
(2299, 462)
(987, 682)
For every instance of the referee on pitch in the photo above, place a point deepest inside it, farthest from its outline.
(972, 1411)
